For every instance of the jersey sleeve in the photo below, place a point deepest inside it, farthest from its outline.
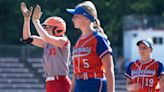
(128, 71)
(103, 47)
(160, 69)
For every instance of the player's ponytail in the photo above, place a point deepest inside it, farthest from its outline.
(91, 9)
(97, 26)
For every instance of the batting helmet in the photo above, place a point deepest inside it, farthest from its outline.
(58, 24)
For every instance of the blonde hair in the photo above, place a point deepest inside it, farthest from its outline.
(91, 9)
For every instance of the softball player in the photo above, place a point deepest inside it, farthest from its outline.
(144, 74)
(56, 47)
(92, 54)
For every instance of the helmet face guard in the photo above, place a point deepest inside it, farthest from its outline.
(58, 24)
(57, 32)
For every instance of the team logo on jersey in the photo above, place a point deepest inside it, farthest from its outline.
(52, 51)
(142, 73)
(83, 51)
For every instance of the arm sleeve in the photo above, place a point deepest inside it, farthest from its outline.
(103, 47)
(128, 71)
(160, 69)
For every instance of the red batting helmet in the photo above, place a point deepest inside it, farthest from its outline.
(58, 24)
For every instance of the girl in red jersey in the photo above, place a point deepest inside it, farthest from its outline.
(145, 74)
(56, 47)
(92, 54)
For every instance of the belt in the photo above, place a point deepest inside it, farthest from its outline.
(150, 90)
(60, 77)
(85, 75)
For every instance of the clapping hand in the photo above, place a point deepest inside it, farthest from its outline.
(37, 13)
(26, 13)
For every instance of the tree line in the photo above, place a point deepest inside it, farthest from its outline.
(110, 13)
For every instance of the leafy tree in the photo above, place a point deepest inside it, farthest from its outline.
(110, 13)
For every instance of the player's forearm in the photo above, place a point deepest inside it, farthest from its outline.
(73, 84)
(110, 81)
(161, 82)
(56, 41)
(26, 29)
(128, 87)
(107, 61)
(42, 33)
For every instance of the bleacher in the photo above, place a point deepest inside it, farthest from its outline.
(36, 63)
(20, 75)
(120, 82)
(15, 76)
